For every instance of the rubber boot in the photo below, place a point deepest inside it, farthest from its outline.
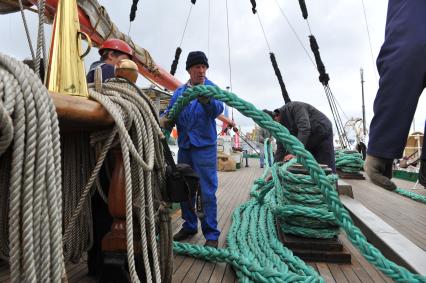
(379, 170)
(422, 173)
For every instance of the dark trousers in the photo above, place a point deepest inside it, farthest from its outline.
(324, 152)
(402, 68)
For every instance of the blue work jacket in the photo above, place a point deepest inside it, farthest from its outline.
(196, 123)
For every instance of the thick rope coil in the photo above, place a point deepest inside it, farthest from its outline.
(35, 195)
(372, 254)
(143, 173)
(349, 162)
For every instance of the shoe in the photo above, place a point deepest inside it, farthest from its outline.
(379, 170)
(211, 243)
(183, 235)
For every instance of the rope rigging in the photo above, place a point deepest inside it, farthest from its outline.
(253, 6)
(324, 78)
(369, 39)
(229, 53)
(133, 10)
(178, 49)
(277, 71)
(244, 261)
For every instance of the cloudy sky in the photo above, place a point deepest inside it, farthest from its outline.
(339, 27)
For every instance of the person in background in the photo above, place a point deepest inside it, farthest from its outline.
(402, 68)
(262, 135)
(111, 51)
(197, 147)
(313, 129)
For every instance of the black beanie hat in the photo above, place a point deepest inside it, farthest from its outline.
(195, 58)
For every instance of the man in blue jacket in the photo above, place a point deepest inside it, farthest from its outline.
(197, 139)
(402, 68)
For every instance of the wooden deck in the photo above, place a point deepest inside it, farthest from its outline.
(233, 190)
(403, 214)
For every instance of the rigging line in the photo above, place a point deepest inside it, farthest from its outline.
(27, 30)
(336, 117)
(229, 47)
(338, 104)
(130, 27)
(186, 25)
(334, 101)
(208, 33)
(263, 31)
(229, 54)
(296, 35)
(369, 39)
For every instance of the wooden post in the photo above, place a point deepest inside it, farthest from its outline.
(115, 240)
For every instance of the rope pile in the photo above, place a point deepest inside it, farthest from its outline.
(264, 266)
(138, 133)
(302, 208)
(29, 128)
(349, 161)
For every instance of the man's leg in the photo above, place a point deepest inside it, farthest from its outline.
(402, 68)
(205, 164)
(324, 153)
(191, 222)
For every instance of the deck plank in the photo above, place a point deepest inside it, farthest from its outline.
(403, 214)
(325, 272)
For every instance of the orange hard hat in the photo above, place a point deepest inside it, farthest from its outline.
(116, 44)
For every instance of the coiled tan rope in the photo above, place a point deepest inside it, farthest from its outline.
(35, 196)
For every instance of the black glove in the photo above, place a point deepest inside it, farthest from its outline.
(380, 171)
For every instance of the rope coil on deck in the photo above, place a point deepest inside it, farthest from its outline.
(349, 162)
(372, 254)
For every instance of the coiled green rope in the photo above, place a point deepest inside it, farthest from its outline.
(349, 162)
(291, 143)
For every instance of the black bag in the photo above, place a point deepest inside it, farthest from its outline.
(182, 183)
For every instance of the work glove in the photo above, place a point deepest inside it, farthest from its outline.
(166, 123)
(379, 170)
(204, 99)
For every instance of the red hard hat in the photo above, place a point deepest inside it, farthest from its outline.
(116, 44)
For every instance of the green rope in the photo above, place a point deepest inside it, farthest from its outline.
(411, 195)
(258, 273)
(349, 162)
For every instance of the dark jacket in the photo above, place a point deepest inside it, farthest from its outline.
(107, 71)
(305, 122)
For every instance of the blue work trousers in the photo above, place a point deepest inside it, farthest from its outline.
(204, 162)
(402, 68)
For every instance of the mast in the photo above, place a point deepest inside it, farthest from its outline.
(364, 128)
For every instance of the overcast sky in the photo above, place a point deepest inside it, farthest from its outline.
(338, 26)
